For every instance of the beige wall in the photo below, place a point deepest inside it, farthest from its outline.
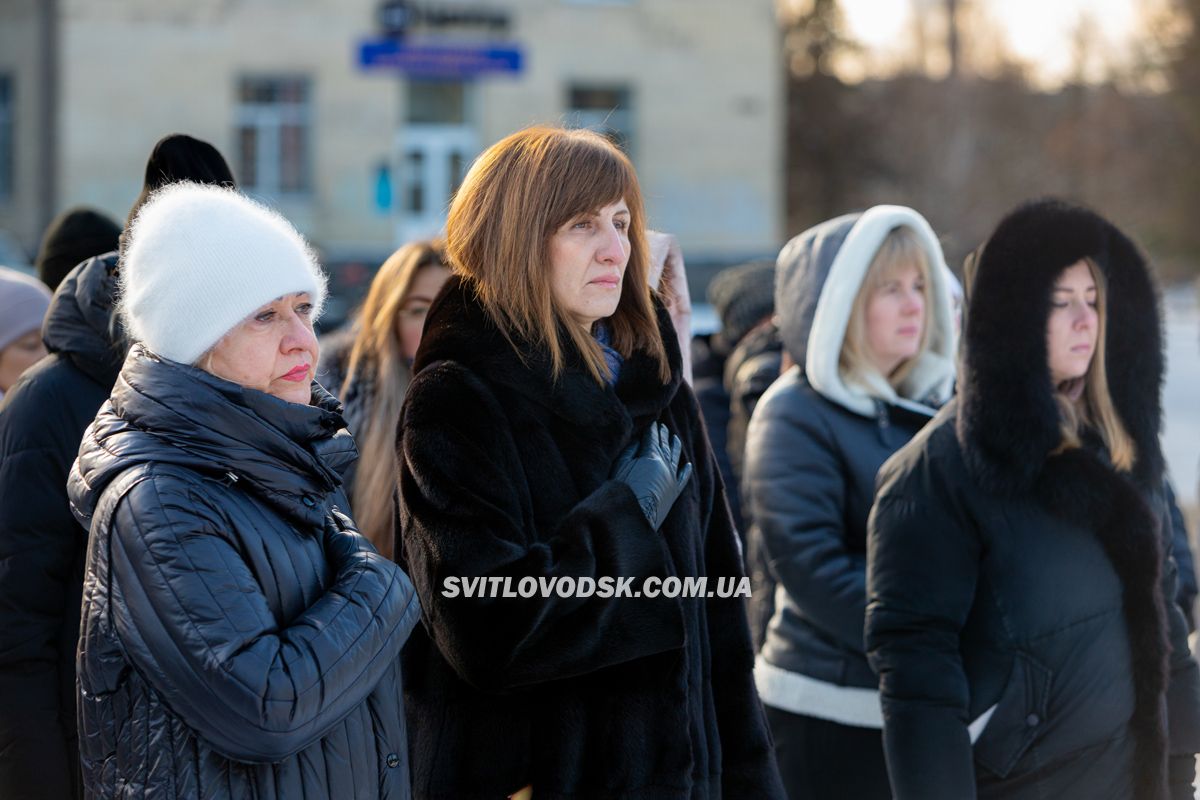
(707, 106)
(189, 58)
(705, 75)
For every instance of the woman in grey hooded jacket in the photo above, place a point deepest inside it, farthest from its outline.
(864, 309)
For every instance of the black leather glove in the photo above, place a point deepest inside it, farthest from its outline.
(343, 541)
(651, 468)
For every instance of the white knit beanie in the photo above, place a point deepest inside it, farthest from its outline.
(200, 259)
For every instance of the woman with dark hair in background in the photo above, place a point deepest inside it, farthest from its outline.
(864, 310)
(1020, 582)
(548, 436)
(239, 637)
(41, 546)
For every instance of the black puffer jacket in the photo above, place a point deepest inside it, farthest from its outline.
(1007, 575)
(239, 638)
(814, 445)
(42, 547)
(505, 473)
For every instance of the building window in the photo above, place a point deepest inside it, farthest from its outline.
(606, 109)
(7, 161)
(274, 135)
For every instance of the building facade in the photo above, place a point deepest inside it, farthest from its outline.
(357, 119)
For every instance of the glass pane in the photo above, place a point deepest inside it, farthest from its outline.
(6, 136)
(437, 102)
(293, 90)
(248, 156)
(458, 165)
(414, 178)
(598, 97)
(604, 109)
(292, 158)
(254, 90)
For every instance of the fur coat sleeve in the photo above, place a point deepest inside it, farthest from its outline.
(466, 515)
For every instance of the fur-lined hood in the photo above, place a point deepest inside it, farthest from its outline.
(1008, 423)
(818, 276)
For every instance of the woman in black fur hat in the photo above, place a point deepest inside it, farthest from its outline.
(1019, 576)
(549, 439)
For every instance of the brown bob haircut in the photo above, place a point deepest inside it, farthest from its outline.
(517, 194)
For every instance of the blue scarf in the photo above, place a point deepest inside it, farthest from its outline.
(612, 358)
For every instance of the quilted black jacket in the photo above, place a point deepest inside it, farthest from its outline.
(239, 638)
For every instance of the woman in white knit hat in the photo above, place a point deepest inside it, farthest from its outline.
(239, 636)
(23, 304)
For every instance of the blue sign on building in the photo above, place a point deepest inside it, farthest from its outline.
(439, 60)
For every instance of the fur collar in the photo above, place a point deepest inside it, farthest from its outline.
(1008, 422)
(459, 329)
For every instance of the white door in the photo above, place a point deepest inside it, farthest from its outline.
(431, 162)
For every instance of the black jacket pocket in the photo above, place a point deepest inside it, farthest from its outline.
(1019, 717)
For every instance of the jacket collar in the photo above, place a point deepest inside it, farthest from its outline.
(289, 455)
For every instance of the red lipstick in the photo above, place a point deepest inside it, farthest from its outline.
(297, 374)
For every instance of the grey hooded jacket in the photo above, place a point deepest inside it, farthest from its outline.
(814, 446)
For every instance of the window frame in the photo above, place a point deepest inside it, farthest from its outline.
(270, 120)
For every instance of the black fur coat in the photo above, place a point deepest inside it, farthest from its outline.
(1005, 576)
(504, 473)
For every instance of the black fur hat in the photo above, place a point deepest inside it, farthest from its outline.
(1008, 423)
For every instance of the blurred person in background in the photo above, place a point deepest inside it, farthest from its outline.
(1020, 575)
(548, 434)
(73, 237)
(371, 371)
(865, 311)
(23, 304)
(239, 637)
(42, 548)
(668, 278)
(744, 298)
(1181, 549)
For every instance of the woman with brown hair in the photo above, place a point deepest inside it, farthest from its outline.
(1019, 578)
(378, 368)
(553, 467)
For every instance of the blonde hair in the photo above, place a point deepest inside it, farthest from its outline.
(900, 248)
(1094, 407)
(517, 194)
(377, 362)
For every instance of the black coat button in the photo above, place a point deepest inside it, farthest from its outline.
(308, 501)
(393, 760)
(1033, 720)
